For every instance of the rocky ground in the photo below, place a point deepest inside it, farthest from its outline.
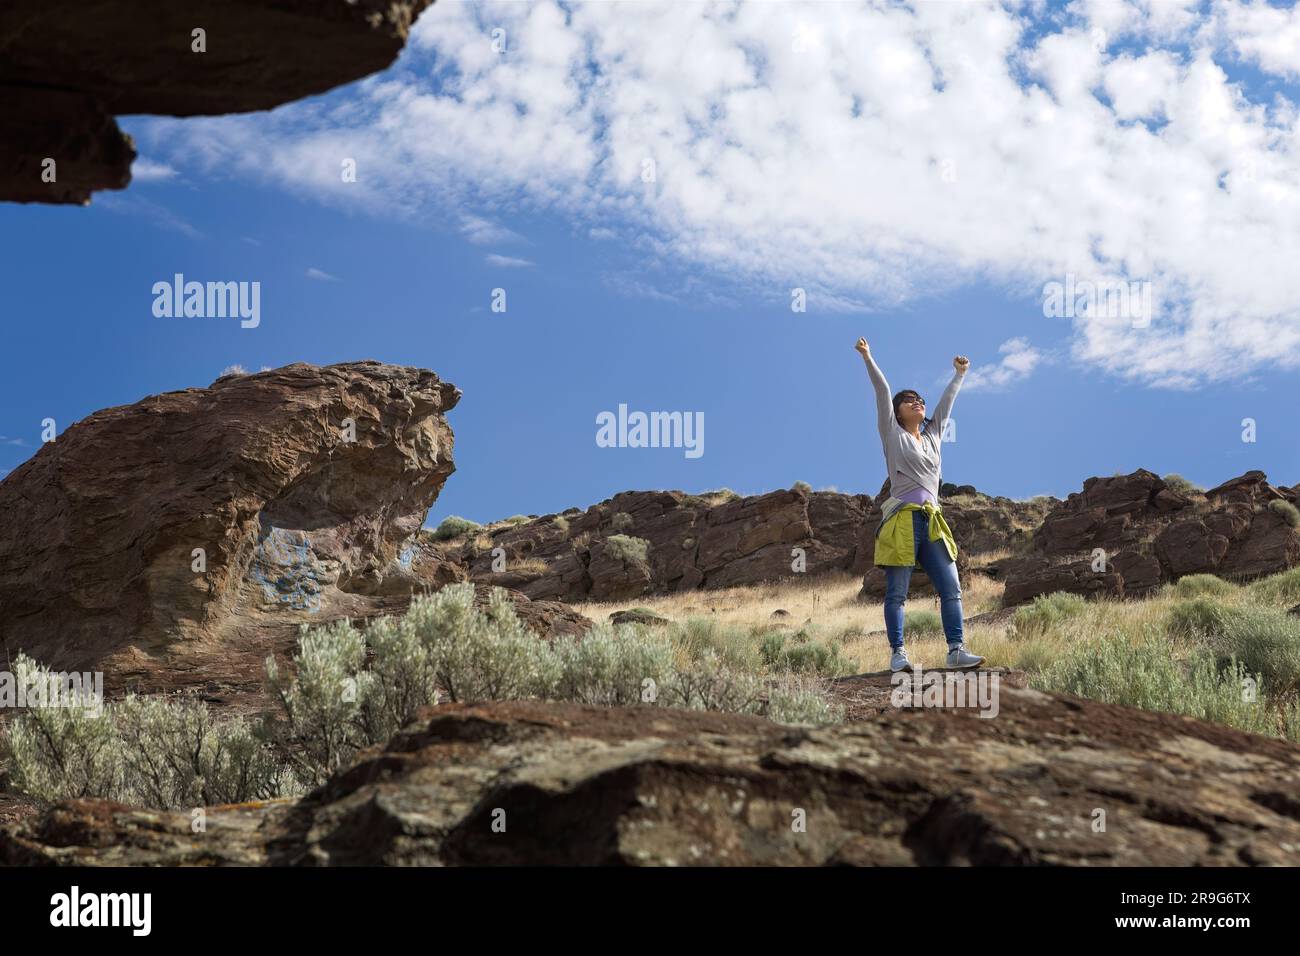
(1052, 780)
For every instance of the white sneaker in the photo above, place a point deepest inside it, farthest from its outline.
(960, 659)
(899, 662)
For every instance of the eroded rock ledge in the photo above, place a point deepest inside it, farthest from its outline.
(649, 786)
(195, 519)
(65, 72)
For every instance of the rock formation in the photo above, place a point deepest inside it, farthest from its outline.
(1149, 534)
(64, 74)
(658, 787)
(694, 541)
(183, 537)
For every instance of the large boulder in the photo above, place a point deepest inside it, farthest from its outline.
(652, 786)
(282, 497)
(1126, 535)
(66, 72)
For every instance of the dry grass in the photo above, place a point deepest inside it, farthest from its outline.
(829, 602)
(528, 566)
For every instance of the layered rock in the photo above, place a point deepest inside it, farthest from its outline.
(649, 786)
(64, 74)
(185, 536)
(1126, 535)
(692, 542)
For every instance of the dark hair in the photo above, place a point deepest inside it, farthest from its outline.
(903, 396)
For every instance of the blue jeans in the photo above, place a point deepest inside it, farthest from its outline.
(941, 569)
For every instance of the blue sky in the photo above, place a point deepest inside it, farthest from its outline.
(666, 303)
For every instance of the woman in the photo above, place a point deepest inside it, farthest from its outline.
(912, 529)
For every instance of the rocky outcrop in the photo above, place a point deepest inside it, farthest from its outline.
(1051, 780)
(1126, 535)
(693, 541)
(197, 516)
(66, 72)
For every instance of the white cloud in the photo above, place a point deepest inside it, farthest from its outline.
(158, 214)
(485, 232)
(1019, 359)
(1141, 86)
(145, 171)
(506, 262)
(1265, 35)
(320, 275)
(869, 154)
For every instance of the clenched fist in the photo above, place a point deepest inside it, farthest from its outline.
(961, 363)
(863, 349)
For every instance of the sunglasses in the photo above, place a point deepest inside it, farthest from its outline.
(913, 401)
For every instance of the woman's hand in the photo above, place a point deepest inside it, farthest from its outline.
(863, 348)
(961, 363)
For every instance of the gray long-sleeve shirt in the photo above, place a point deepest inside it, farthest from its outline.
(910, 465)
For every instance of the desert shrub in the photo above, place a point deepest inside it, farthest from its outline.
(404, 677)
(321, 726)
(802, 486)
(709, 498)
(454, 526)
(1287, 510)
(817, 658)
(1045, 613)
(626, 548)
(1181, 485)
(516, 519)
(771, 648)
(1202, 585)
(348, 689)
(922, 623)
(697, 637)
(805, 656)
(1197, 617)
(1280, 588)
(1142, 673)
(796, 700)
(621, 521)
(562, 523)
(1266, 640)
(610, 666)
(1036, 654)
(175, 754)
(56, 752)
(480, 654)
(707, 683)
(168, 753)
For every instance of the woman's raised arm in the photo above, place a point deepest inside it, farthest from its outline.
(943, 410)
(884, 403)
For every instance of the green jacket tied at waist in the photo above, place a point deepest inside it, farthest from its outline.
(895, 539)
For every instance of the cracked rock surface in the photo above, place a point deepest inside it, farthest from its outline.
(649, 786)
